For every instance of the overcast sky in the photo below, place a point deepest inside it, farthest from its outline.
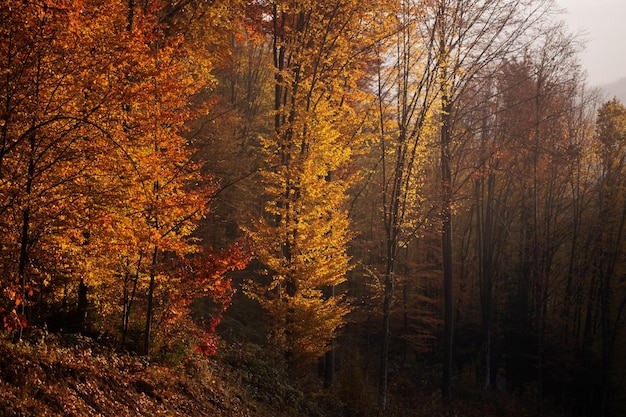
(604, 22)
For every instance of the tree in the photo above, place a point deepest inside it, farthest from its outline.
(404, 92)
(611, 299)
(54, 98)
(100, 188)
(470, 40)
(175, 188)
(303, 236)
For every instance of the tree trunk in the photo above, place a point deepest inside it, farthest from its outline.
(329, 356)
(83, 303)
(384, 352)
(128, 301)
(150, 308)
(446, 245)
(25, 238)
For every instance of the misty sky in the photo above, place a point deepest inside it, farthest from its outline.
(604, 22)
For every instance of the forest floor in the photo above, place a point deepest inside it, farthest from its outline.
(71, 375)
(75, 376)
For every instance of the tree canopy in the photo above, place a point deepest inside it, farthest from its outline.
(426, 189)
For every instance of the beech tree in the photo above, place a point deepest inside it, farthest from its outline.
(469, 39)
(443, 47)
(55, 99)
(609, 296)
(404, 92)
(100, 190)
(303, 237)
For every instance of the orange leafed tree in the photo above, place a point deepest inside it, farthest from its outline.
(61, 93)
(99, 186)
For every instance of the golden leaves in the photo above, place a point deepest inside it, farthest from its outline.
(94, 170)
(303, 240)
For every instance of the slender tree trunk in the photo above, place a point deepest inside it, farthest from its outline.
(83, 304)
(329, 356)
(26, 213)
(384, 352)
(485, 190)
(23, 263)
(25, 238)
(538, 272)
(125, 310)
(128, 301)
(150, 308)
(446, 246)
(443, 57)
(569, 301)
(390, 205)
(405, 302)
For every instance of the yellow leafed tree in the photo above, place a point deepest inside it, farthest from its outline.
(318, 49)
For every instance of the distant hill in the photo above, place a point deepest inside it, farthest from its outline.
(616, 89)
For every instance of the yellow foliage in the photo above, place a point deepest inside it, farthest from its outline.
(303, 237)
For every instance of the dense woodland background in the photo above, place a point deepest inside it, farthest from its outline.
(379, 199)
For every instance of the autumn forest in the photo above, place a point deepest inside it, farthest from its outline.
(386, 201)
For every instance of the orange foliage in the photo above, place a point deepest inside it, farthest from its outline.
(95, 173)
(201, 276)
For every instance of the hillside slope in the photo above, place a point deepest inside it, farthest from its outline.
(616, 89)
(77, 377)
